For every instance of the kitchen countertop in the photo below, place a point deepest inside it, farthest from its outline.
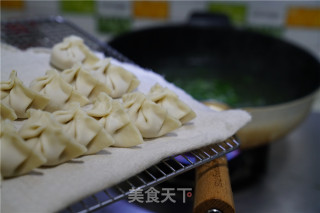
(292, 180)
(316, 105)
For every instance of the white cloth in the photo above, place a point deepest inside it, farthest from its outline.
(53, 189)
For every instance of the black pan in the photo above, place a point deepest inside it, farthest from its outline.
(274, 80)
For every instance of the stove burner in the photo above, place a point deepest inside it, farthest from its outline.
(246, 167)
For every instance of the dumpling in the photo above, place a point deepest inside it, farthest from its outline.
(151, 119)
(119, 80)
(44, 134)
(112, 116)
(70, 51)
(17, 157)
(58, 90)
(83, 129)
(19, 97)
(7, 112)
(83, 82)
(171, 102)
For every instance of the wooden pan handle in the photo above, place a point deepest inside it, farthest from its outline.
(213, 189)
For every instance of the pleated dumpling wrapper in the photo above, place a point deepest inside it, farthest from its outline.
(19, 97)
(17, 158)
(83, 81)
(112, 116)
(83, 129)
(151, 119)
(171, 102)
(70, 51)
(58, 90)
(44, 134)
(119, 80)
(7, 112)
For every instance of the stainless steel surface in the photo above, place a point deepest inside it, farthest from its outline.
(165, 170)
(292, 180)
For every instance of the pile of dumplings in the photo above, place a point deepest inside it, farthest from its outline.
(83, 106)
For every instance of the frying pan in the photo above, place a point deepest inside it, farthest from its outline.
(276, 80)
(277, 83)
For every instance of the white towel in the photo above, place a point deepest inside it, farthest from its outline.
(53, 189)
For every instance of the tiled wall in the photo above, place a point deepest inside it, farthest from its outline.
(296, 21)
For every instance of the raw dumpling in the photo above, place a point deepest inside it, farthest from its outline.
(151, 119)
(58, 90)
(171, 102)
(70, 51)
(119, 80)
(17, 157)
(83, 129)
(115, 120)
(83, 82)
(20, 98)
(7, 112)
(44, 134)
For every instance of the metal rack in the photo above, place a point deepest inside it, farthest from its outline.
(46, 32)
(49, 31)
(166, 169)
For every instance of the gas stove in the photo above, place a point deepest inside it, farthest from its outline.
(283, 176)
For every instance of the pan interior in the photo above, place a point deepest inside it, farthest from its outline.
(237, 67)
